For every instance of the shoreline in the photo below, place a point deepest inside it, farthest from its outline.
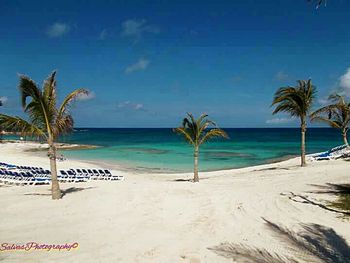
(164, 216)
(40, 147)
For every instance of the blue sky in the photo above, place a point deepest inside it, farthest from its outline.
(147, 63)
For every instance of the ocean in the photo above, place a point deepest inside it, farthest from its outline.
(161, 150)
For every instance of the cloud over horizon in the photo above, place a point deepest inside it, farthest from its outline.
(140, 65)
(130, 105)
(279, 120)
(57, 30)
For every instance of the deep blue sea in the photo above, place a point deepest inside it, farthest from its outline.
(162, 150)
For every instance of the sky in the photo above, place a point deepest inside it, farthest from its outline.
(147, 63)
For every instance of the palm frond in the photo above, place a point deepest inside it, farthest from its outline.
(205, 123)
(324, 110)
(20, 125)
(297, 101)
(331, 123)
(49, 86)
(213, 133)
(63, 109)
(201, 119)
(184, 132)
(38, 108)
(49, 95)
(337, 115)
(318, 2)
(196, 131)
(28, 88)
(63, 125)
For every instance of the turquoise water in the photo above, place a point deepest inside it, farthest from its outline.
(162, 150)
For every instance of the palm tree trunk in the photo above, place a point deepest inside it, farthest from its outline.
(55, 187)
(344, 137)
(303, 131)
(196, 153)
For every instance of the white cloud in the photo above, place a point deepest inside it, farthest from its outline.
(135, 28)
(3, 100)
(344, 82)
(281, 76)
(141, 64)
(130, 105)
(82, 97)
(323, 101)
(279, 120)
(103, 34)
(138, 106)
(57, 30)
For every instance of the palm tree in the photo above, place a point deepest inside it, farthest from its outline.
(296, 101)
(46, 121)
(196, 132)
(337, 114)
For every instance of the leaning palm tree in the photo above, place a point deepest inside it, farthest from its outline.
(46, 121)
(197, 132)
(296, 101)
(337, 114)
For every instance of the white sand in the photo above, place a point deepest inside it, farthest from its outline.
(152, 218)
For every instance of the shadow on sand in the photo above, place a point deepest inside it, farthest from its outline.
(74, 190)
(64, 191)
(189, 180)
(306, 200)
(342, 191)
(271, 168)
(314, 243)
(332, 189)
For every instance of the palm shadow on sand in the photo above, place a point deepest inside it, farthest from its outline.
(271, 169)
(314, 243)
(74, 190)
(64, 191)
(329, 188)
(189, 180)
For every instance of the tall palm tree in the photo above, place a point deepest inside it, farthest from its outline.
(296, 101)
(46, 120)
(197, 132)
(337, 114)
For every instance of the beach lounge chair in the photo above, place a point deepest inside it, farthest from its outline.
(333, 153)
(96, 174)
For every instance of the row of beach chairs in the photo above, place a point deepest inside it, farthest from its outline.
(27, 175)
(334, 153)
(90, 174)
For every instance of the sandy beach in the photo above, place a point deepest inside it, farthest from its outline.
(164, 218)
